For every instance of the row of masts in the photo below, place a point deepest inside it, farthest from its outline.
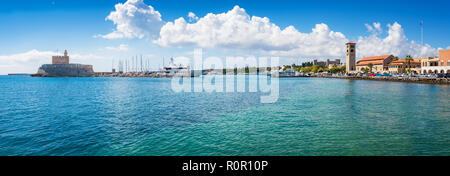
(134, 64)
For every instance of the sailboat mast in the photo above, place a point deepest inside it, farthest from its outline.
(141, 64)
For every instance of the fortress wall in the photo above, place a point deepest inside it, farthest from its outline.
(69, 70)
(60, 60)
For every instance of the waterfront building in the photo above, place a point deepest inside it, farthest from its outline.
(336, 62)
(350, 57)
(319, 63)
(380, 63)
(444, 58)
(402, 66)
(429, 61)
(436, 65)
(328, 63)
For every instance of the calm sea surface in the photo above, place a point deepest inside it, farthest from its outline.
(143, 116)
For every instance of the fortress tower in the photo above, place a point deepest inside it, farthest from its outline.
(350, 61)
(61, 59)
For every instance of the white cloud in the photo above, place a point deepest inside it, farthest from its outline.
(395, 43)
(236, 29)
(30, 61)
(121, 47)
(134, 19)
(375, 29)
(192, 17)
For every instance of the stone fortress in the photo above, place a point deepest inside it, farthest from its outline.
(61, 59)
(61, 67)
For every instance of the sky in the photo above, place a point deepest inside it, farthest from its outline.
(102, 32)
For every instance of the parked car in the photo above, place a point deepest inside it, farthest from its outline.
(423, 75)
(443, 75)
(371, 75)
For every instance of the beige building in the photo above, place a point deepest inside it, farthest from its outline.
(429, 61)
(435, 65)
(380, 63)
(402, 66)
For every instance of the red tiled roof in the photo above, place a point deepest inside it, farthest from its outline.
(403, 61)
(374, 58)
(368, 62)
(396, 64)
(351, 43)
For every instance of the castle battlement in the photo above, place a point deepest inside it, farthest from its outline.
(61, 59)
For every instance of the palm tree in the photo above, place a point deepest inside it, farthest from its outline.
(366, 70)
(370, 65)
(408, 60)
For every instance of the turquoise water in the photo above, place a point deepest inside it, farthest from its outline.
(143, 116)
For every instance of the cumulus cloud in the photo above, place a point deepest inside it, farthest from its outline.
(395, 43)
(192, 17)
(237, 29)
(29, 62)
(134, 19)
(121, 47)
(375, 29)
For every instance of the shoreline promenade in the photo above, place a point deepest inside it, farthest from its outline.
(423, 80)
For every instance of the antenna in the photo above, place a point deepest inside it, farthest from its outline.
(421, 31)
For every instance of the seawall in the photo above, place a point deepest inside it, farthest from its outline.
(423, 80)
(65, 70)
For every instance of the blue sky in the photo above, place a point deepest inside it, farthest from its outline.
(48, 25)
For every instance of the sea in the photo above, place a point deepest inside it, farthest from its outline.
(146, 117)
